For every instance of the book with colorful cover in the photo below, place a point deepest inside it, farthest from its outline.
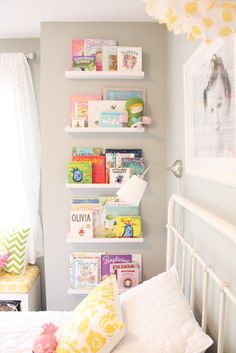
(81, 224)
(120, 156)
(87, 151)
(119, 175)
(128, 226)
(79, 108)
(136, 165)
(122, 94)
(94, 47)
(80, 172)
(109, 58)
(77, 47)
(125, 265)
(84, 63)
(87, 273)
(110, 119)
(108, 259)
(98, 167)
(96, 108)
(127, 278)
(129, 59)
(136, 151)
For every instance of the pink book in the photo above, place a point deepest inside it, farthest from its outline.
(77, 47)
(79, 106)
(127, 278)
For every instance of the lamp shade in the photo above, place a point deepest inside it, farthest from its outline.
(132, 191)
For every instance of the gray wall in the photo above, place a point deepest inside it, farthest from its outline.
(219, 199)
(25, 46)
(56, 147)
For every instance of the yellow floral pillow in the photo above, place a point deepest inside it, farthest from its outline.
(96, 324)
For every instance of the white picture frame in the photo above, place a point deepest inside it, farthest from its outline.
(210, 112)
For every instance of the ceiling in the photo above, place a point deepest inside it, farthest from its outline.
(21, 18)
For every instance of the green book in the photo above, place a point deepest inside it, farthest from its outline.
(80, 172)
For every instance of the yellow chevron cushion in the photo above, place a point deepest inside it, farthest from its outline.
(16, 241)
(18, 283)
(96, 325)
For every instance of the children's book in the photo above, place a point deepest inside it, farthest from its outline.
(95, 109)
(87, 273)
(124, 266)
(122, 94)
(98, 167)
(80, 172)
(127, 278)
(119, 175)
(109, 58)
(84, 63)
(129, 59)
(128, 226)
(94, 47)
(87, 151)
(136, 165)
(79, 108)
(120, 156)
(77, 47)
(107, 260)
(81, 224)
(136, 151)
(110, 119)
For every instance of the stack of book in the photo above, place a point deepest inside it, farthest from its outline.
(103, 217)
(86, 270)
(105, 55)
(113, 166)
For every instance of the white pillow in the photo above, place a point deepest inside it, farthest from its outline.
(158, 319)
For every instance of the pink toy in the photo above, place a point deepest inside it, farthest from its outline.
(46, 342)
(145, 120)
(4, 257)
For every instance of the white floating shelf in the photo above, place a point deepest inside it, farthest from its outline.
(92, 186)
(103, 240)
(94, 75)
(96, 130)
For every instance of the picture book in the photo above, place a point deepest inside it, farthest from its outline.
(124, 266)
(109, 58)
(122, 94)
(81, 224)
(120, 156)
(79, 108)
(136, 151)
(77, 47)
(95, 109)
(110, 119)
(84, 203)
(129, 59)
(74, 258)
(84, 63)
(80, 172)
(98, 167)
(127, 278)
(128, 226)
(94, 47)
(107, 260)
(119, 175)
(87, 273)
(136, 165)
(87, 151)
(111, 212)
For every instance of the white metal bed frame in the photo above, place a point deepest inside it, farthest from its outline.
(175, 239)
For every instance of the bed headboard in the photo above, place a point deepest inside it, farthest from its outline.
(177, 241)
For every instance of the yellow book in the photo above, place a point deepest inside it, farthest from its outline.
(128, 227)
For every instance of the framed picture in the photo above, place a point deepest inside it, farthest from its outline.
(210, 112)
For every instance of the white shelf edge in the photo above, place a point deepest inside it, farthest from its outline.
(92, 186)
(103, 240)
(91, 75)
(120, 130)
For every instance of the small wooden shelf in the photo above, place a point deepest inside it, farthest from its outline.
(99, 75)
(92, 186)
(120, 130)
(103, 240)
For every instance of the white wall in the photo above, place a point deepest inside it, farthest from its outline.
(55, 94)
(217, 198)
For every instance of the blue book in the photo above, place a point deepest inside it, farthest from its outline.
(110, 119)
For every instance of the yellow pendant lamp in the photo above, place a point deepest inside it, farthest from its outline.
(197, 18)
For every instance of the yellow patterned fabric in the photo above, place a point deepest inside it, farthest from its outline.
(10, 283)
(96, 325)
(198, 18)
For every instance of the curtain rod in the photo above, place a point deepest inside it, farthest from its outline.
(31, 55)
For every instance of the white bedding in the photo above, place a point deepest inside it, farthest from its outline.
(19, 329)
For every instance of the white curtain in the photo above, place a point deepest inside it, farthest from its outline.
(19, 151)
